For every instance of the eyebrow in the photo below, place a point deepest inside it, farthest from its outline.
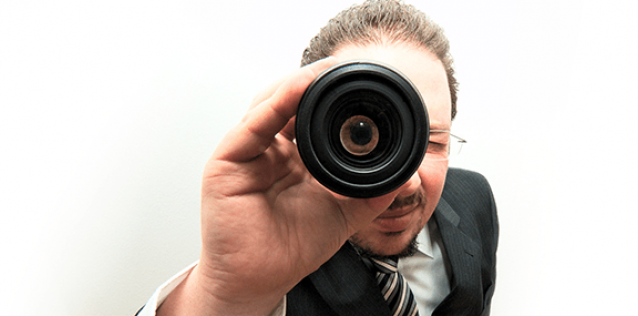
(439, 127)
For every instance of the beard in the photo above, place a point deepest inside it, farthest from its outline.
(409, 250)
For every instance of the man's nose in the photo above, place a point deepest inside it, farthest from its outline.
(410, 187)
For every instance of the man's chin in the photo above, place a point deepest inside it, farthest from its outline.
(364, 248)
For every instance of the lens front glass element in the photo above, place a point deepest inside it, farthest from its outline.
(359, 135)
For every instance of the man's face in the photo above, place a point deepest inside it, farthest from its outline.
(392, 232)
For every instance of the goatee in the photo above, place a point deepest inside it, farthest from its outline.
(409, 250)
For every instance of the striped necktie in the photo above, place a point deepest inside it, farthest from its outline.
(394, 288)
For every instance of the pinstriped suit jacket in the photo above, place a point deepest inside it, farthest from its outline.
(467, 220)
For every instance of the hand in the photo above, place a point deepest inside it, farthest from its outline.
(266, 222)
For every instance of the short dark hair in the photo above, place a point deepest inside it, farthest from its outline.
(377, 21)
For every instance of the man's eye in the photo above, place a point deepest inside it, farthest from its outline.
(437, 148)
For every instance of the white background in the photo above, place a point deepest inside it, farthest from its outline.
(110, 109)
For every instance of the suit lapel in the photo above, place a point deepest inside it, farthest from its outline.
(348, 286)
(463, 254)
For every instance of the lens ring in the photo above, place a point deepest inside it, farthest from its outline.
(389, 99)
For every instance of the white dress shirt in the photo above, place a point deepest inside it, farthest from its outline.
(425, 272)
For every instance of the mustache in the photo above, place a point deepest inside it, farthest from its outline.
(414, 199)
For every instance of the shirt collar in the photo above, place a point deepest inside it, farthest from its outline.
(424, 242)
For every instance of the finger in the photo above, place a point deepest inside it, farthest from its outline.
(270, 90)
(266, 93)
(285, 100)
(254, 134)
(289, 130)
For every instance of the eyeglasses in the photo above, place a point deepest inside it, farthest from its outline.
(443, 145)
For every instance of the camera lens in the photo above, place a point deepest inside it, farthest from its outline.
(362, 129)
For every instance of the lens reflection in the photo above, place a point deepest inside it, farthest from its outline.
(359, 135)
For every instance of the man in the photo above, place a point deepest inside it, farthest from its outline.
(274, 241)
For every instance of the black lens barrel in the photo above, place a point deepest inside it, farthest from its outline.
(362, 129)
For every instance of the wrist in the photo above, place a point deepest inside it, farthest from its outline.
(197, 295)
